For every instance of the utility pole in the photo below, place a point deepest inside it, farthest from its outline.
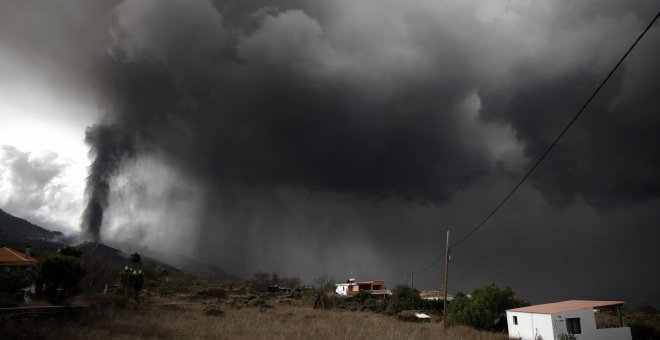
(412, 289)
(444, 308)
(412, 280)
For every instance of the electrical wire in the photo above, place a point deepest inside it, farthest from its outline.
(563, 132)
(547, 151)
(431, 265)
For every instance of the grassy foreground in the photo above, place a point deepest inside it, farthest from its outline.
(280, 322)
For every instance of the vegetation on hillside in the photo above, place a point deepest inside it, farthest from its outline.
(266, 297)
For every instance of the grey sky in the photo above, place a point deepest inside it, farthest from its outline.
(345, 137)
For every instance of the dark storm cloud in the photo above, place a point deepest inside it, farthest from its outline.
(282, 105)
(609, 157)
(346, 136)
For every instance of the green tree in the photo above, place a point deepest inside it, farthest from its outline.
(259, 281)
(404, 298)
(132, 282)
(60, 274)
(13, 280)
(485, 309)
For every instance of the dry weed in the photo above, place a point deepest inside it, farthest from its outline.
(281, 322)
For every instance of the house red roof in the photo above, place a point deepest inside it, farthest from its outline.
(14, 258)
(565, 306)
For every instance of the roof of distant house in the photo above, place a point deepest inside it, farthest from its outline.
(564, 306)
(433, 293)
(369, 282)
(14, 258)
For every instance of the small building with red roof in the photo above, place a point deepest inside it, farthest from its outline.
(14, 259)
(577, 317)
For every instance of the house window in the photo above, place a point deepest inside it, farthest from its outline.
(515, 320)
(573, 326)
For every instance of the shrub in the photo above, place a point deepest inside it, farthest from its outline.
(564, 336)
(328, 300)
(403, 298)
(132, 281)
(213, 310)
(256, 302)
(484, 308)
(252, 296)
(408, 316)
(643, 331)
(209, 293)
(60, 274)
(9, 300)
(11, 281)
(373, 305)
(646, 309)
(361, 296)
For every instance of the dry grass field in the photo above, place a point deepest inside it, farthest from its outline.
(189, 322)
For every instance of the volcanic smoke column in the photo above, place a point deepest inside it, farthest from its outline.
(109, 146)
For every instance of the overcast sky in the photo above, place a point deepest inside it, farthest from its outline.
(344, 137)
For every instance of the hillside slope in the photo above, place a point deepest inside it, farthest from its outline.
(17, 233)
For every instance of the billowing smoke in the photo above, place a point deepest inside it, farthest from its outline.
(109, 146)
(347, 135)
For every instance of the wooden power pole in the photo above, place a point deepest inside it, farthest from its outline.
(444, 308)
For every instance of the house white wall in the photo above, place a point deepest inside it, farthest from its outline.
(533, 326)
(341, 289)
(588, 326)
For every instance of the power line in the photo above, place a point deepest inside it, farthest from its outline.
(563, 132)
(547, 151)
(432, 264)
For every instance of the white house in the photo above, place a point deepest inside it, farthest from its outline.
(548, 321)
(374, 287)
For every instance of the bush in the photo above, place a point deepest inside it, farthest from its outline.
(403, 298)
(643, 331)
(210, 293)
(60, 274)
(564, 336)
(432, 305)
(252, 296)
(10, 300)
(361, 296)
(132, 281)
(328, 300)
(408, 316)
(646, 309)
(256, 302)
(13, 280)
(373, 305)
(482, 311)
(213, 310)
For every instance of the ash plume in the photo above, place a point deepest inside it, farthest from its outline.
(109, 146)
(338, 134)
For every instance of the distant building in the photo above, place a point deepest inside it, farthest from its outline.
(434, 295)
(351, 287)
(14, 259)
(548, 321)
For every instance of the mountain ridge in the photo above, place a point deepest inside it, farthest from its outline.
(18, 233)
